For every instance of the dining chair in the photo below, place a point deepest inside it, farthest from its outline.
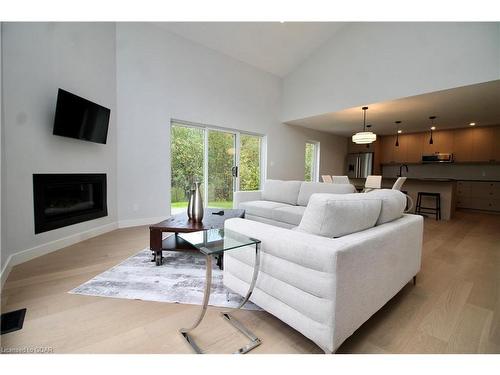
(340, 179)
(399, 183)
(327, 178)
(372, 183)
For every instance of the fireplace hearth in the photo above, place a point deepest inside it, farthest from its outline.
(66, 199)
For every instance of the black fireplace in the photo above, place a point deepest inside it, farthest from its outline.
(65, 199)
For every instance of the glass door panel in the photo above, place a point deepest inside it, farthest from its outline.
(311, 172)
(221, 168)
(187, 155)
(309, 164)
(250, 156)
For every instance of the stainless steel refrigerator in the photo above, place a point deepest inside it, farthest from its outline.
(359, 165)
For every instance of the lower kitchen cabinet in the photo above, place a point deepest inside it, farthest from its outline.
(478, 195)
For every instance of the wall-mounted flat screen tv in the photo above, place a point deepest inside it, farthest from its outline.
(80, 118)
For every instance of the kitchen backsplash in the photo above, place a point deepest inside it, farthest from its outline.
(455, 171)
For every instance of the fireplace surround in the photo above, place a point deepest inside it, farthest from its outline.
(66, 199)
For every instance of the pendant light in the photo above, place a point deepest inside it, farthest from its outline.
(432, 118)
(398, 132)
(364, 137)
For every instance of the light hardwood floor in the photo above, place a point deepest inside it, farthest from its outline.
(454, 308)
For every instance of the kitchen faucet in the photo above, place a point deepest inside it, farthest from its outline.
(400, 169)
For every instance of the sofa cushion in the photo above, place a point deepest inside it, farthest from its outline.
(335, 215)
(289, 214)
(393, 204)
(281, 191)
(309, 188)
(261, 208)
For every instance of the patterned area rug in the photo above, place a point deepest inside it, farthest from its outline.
(181, 279)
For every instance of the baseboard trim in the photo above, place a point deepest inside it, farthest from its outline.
(139, 222)
(7, 267)
(34, 252)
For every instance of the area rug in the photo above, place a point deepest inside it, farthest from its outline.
(180, 279)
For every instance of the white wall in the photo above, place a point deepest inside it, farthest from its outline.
(38, 58)
(365, 63)
(161, 76)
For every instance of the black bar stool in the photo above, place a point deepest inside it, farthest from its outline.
(436, 210)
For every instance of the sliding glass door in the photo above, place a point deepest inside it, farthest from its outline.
(250, 160)
(222, 168)
(222, 160)
(187, 145)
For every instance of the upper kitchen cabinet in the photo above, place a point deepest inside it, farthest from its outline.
(442, 142)
(496, 147)
(462, 145)
(400, 153)
(414, 147)
(476, 144)
(483, 143)
(468, 145)
(387, 149)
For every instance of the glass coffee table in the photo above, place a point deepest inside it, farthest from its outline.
(216, 242)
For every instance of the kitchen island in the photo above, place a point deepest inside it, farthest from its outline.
(444, 186)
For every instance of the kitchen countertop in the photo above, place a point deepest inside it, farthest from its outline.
(446, 187)
(428, 179)
(425, 179)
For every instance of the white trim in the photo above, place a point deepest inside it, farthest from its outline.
(236, 162)
(139, 222)
(317, 153)
(4, 273)
(201, 125)
(205, 168)
(49, 247)
(263, 161)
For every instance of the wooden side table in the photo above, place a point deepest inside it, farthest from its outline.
(180, 223)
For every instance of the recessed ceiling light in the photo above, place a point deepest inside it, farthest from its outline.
(472, 124)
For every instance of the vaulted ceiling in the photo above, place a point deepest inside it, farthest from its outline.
(274, 47)
(278, 48)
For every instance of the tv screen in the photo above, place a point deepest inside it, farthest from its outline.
(80, 118)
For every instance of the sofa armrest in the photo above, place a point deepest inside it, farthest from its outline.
(246, 196)
(308, 250)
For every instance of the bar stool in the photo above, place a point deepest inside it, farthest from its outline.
(430, 210)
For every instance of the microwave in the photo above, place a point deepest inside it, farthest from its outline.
(437, 158)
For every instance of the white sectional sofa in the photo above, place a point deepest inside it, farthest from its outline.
(282, 203)
(348, 256)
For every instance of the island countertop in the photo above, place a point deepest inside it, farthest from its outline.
(446, 187)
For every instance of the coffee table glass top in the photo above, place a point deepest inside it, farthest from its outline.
(216, 241)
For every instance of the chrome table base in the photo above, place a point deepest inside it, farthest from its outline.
(254, 340)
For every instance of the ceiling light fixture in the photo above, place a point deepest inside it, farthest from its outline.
(398, 132)
(472, 124)
(432, 118)
(364, 137)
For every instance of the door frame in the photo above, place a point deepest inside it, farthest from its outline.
(206, 128)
